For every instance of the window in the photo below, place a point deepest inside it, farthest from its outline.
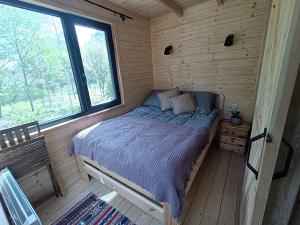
(96, 64)
(53, 66)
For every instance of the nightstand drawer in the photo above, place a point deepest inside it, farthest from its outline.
(233, 140)
(230, 131)
(233, 148)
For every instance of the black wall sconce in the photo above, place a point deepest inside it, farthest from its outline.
(168, 50)
(229, 40)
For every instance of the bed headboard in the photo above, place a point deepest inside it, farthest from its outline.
(219, 103)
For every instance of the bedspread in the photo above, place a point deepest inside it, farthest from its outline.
(157, 156)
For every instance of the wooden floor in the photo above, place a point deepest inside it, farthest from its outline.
(215, 194)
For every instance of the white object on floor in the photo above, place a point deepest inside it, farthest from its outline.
(16, 203)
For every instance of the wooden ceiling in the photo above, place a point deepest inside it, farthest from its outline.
(152, 8)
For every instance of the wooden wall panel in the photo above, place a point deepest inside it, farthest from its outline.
(278, 73)
(152, 8)
(283, 194)
(133, 50)
(200, 61)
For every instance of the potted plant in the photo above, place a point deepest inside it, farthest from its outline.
(236, 118)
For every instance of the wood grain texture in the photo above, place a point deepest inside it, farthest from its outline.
(234, 137)
(283, 206)
(220, 2)
(152, 8)
(24, 155)
(214, 199)
(278, 73)
(133, 56)
(172, 6)
(200, 61)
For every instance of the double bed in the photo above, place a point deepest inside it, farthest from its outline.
(148, 156)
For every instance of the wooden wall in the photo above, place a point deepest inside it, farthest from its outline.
(133, 48)
(283, 192)
(278, 75)
(200, 61)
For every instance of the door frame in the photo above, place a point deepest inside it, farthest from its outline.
(278, 114)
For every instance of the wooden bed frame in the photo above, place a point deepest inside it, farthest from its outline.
(134, 193)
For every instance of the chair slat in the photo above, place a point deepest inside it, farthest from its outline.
(10, 138)
(18, 135)
(2, 141)
(26, 133)
(38, 128)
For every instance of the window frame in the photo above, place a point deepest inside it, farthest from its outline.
(68, 22)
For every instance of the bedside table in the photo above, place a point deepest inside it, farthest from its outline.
(234, 137)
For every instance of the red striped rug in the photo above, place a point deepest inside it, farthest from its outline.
(93, 211)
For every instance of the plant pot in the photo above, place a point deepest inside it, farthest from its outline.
(236, 120)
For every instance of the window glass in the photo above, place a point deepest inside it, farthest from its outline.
(52, 67)
(93, 49)
(36, 77)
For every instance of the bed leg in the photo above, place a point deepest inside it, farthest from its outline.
(168, 220)
(83, 172)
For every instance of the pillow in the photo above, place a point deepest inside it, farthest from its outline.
(164, 98)
(183, 104)
(204, 101)
(152, 99)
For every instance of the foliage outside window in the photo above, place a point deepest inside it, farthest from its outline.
(53, 66)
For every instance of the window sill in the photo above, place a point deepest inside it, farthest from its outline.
(69, 122)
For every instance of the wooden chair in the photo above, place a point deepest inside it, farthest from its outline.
(24, 152)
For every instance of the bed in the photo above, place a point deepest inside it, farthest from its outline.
(148, 156)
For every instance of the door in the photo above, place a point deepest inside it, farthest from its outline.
(278, 73)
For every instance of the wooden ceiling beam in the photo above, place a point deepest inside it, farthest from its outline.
(172, 6)
(220, 2)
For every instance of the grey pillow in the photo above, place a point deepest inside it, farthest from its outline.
(183, 104)
(164, 98)
(204, 100)
(152, 99)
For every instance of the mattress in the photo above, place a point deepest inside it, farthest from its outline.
(153, 149)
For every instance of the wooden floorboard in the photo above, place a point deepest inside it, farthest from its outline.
(229, 201)
(240, 179)
(212, 207)
(197, 208)
(215, 195)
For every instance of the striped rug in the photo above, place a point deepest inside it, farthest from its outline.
(93, 211)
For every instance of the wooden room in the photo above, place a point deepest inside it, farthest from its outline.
(154, 112)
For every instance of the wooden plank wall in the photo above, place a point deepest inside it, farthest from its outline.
(133, 48)
(200, 61)
(283, 193)
(278, 74)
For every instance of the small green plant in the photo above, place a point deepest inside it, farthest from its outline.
(236, 118)
(236, 113)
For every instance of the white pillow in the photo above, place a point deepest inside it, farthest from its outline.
(164, 98)
(183, 104)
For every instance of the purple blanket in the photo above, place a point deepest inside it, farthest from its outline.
(157, 156)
